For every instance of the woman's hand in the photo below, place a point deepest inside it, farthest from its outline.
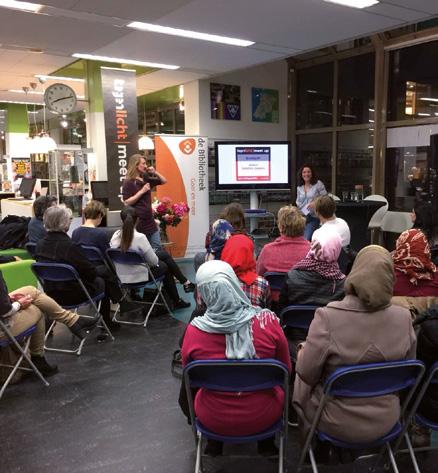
(311, 205)
(145, 188)
(24, 301)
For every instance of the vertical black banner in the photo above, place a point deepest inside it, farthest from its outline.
(121, 127)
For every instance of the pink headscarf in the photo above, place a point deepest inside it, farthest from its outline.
(323, 256)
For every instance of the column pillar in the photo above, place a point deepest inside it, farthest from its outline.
(17, 131)
(95, 118)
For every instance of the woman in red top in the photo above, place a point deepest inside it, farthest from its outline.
(232, 328)
(415, 273)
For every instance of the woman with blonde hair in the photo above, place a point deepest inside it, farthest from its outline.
(136, 192)
(289, 248)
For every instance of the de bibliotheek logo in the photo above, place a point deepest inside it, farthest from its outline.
(187, 146)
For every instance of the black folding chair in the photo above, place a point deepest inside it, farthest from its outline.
(57, 272)
(16, 342)
(133, 258)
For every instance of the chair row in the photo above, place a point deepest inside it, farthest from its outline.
(359, 381)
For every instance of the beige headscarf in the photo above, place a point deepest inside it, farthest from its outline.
(372, 277)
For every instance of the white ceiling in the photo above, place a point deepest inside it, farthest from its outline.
(280, 28)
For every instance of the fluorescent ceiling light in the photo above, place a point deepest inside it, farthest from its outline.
(22, 103)
(429, 99)
(138, 25)
(119, 60)
(26, 6)
(30, 92)
(71, 79)
(354, 3)
(423, 114)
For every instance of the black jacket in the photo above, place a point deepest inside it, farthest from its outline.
(5, 301)
(427, 351)
(310, 288)
(57, 247)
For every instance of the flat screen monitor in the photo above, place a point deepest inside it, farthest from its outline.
(99, 189)
(27, 186)
(252, 165)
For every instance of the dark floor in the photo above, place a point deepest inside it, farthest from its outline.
(114, 410)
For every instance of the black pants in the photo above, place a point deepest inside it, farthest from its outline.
(173, 267)
(169, 282)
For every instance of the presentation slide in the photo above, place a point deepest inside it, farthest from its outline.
(262, 165)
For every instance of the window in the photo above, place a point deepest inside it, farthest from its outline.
(356, 90)
(316, 150)
(354, 161)
(315, 96)
(413, 83)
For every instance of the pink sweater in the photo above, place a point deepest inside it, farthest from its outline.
(282, 254)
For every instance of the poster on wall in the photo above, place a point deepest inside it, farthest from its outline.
(21, 167)
(225, 101)
(265, 105)
(183, 160)
(121, 127)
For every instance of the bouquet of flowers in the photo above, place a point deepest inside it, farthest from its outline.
(166, 213)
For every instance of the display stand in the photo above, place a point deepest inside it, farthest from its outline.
(253, 215)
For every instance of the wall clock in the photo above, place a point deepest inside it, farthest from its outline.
(60, 98)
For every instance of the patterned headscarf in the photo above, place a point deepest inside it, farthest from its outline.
(229, 311)
(221, 230)
(412, 256)
(239, 253)
(323, 256)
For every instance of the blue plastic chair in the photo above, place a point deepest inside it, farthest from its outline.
(298, 316)
(58, 272)
(133, 258)
(431, 377)
(30, 248)
(10, 339)
(237, 376)
(94, 255)
(275, 279)
(364, 381)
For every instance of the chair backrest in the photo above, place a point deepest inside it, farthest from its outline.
(275, 279)
(31, 248)
(298, 316)
(396, 222)
(378, 216)
(116, 255)
(379, 198)
(55, 272)
(374, 379)
(236, 375)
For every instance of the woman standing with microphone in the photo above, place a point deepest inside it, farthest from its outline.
(308, 190)
(136, 192)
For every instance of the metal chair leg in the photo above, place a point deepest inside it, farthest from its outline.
(412, 453)
(391, 458)
(312, 460)
(198, 454)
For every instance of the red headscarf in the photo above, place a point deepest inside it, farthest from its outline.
(238, 252)
(412, 256)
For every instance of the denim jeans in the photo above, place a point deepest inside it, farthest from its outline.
(312, 223)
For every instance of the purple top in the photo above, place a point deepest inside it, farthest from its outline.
(146, 223)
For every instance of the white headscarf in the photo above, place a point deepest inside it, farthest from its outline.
(229, 311)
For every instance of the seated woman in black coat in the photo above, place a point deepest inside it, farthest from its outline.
(316, 279)
(57, 247)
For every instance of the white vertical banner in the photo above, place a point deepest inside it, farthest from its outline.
(183, 161)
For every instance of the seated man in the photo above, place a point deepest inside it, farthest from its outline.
(325, 208)
(25, 307)
(36, 230)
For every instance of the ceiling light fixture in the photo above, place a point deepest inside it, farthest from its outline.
(25, 6)
(71, 79)
(429, 99)
(119, 60)
(139, 25)
(354, 3)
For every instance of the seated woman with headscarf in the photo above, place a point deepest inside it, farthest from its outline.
(362, 328)
(415, 273)
(316, 279)
(238, 252)
(233, 328)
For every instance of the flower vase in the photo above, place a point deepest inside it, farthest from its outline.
(163, 236)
